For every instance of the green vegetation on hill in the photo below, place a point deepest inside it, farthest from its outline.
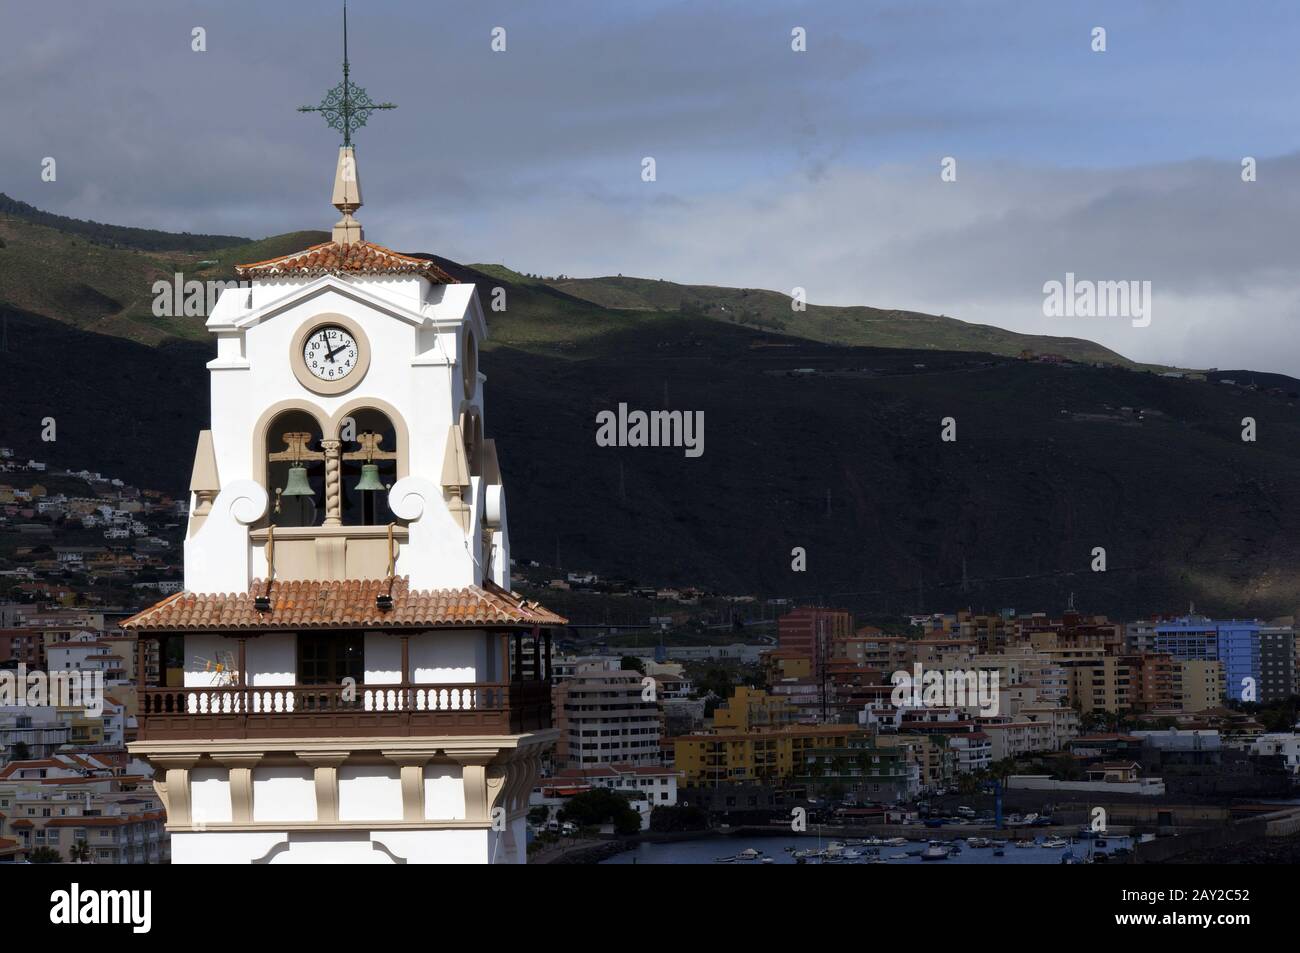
(107, 287)
(538, 317)
(869, 327)
(101, 277)
(118, 236)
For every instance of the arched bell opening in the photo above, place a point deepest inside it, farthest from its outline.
(295, 469)
(471, 430)
(369, 467)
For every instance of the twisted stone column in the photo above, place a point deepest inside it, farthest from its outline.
(333, 483)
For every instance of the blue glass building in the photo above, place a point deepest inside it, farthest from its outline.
(1233, 643)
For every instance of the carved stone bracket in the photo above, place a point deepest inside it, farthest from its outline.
(240, 767)
(175, 792)
(412, 774)
(326, 767)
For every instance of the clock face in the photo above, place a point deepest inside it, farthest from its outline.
(330, 353)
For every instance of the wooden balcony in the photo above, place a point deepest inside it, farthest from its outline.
(310, 711)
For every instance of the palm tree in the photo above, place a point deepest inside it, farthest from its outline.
(80, 853)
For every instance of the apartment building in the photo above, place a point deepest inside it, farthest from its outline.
(974, 751)
(872, 771)
(27, 732)
(811, 631)
(870, 648)
(1104, 683)
(1023, 664)
(1277, 671)
(1234, 643)
(606, 715)
(936, 763)
(737, 757)
(750, 709)
(1036, 728)
(657, 783)
(75, 802)
(1198, 684)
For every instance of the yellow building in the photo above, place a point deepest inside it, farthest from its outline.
(1198, 684)
(872, 649)
(1102, 684)
(749, 756)
(749, 709)
(86, 729)
(779, 664)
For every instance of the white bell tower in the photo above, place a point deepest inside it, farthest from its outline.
(347, 675)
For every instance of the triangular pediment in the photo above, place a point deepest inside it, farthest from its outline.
(451, 310)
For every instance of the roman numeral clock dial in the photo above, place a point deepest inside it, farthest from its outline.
(330, 353)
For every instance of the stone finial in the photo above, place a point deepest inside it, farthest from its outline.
(204, 482)
(347, 197)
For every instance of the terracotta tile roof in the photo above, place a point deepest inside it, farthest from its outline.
(356, 258)
(346, 604)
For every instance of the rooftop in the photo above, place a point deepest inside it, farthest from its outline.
(356, 258)
(305, 604)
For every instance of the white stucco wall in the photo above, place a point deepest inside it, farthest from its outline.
(448, 656)
(210, 795)
(272, 658)
(284, 793)
(444, 792)
(345, 847)
(370, 793)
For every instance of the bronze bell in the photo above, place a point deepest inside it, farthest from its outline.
(297, 484)
(369, 478)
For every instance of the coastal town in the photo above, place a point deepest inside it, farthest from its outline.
(701, 716)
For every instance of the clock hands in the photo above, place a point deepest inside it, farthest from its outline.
(329, 354)
(322, 356)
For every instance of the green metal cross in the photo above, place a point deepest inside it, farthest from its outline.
(347, 106)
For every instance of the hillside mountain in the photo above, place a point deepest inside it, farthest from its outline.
(116, 236)
(869, 327)
(819, 445)
(101, 278)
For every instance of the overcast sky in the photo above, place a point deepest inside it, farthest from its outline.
(775, 169)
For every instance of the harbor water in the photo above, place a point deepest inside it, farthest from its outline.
(780, 850)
